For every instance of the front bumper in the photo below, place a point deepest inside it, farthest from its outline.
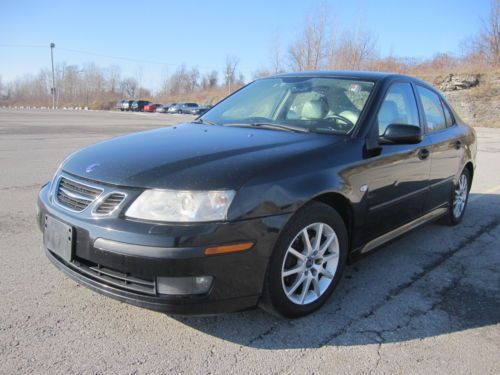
(121, 258)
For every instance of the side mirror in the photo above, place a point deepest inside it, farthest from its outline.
(401, 134)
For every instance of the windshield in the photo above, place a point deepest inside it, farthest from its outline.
(314, 104)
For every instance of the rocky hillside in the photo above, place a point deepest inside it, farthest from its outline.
(476, 97)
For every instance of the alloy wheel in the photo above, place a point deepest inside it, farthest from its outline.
(310, 263)
(460, 198)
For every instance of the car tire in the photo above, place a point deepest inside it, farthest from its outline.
(279, 296)
(179, 112)
(459, 196)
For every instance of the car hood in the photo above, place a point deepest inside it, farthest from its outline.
(190, 156)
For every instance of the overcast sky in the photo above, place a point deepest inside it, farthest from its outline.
(154, 37)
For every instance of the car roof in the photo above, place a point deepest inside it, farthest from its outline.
(362, 75)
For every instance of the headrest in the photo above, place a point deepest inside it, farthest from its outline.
(314, 109)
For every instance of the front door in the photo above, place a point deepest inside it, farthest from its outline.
(398, 178)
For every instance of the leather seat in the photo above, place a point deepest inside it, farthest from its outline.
(314, 109)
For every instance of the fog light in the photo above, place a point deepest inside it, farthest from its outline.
(184, 285)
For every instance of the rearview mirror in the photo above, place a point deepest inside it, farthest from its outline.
(401, 134)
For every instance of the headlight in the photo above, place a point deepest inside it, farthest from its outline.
(181, 206)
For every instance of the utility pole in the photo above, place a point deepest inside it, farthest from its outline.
(53, 89)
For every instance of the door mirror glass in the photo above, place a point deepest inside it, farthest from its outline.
(401, 134)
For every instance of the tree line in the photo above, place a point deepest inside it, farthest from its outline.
(320, 44)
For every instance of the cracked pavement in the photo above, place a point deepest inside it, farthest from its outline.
(428, 302)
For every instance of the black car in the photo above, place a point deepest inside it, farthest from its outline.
(264, 198)
(138, 105)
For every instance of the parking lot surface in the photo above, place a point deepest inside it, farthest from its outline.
(428, 302)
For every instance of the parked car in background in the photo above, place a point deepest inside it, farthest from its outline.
(182, 107)
(138, 105)
(164, 107)
(197, 110)
(119, 105)
(150, 107)
(127, 105)
(264, 198)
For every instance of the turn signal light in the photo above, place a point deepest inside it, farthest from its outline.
(228, 248)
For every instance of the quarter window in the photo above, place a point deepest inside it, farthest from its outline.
(432, 109)
(447, 114)
(398, 107)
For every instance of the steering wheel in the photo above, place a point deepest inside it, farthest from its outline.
(347, 123)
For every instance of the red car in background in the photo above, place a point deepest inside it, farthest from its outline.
(151, 107)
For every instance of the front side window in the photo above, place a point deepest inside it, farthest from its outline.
(330, 105)
(433, 110)
(399, 107)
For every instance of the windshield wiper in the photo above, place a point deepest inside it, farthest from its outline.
(270, 125)
(201, 121)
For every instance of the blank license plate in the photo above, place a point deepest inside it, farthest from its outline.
(58, 238)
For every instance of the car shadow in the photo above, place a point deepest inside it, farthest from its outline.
(428, 283)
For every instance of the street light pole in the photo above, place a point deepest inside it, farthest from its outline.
(53, 89)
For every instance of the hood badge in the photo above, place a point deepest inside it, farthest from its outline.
(92, 167)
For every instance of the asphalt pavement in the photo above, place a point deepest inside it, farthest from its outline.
(427, 303)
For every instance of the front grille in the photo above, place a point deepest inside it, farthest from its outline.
(75, 195)
(115, 278)
(110, 203)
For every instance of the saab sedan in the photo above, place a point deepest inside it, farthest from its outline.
(263, 199)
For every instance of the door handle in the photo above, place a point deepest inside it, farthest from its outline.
(423, 153)
(458, 143)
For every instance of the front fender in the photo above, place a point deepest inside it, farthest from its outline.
(287, 187)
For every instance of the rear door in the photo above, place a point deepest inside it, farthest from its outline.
(398, 178)
(446, 148)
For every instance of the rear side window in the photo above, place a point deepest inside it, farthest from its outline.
(398, 107)
(432, 109)
(447, 114)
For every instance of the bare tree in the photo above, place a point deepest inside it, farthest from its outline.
(230, 66)
(129, 86)
(193, 77)
(487, 43)
(263, 72)
(354, 50)
(276, 56)
(113, 76)
(309, 50)
(182, 81)
(209, 80)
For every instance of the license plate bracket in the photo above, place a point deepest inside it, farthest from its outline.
(58, 238)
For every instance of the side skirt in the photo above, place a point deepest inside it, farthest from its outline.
(432, 215)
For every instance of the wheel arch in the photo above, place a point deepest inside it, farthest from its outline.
(342, 205)
(470, 168)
